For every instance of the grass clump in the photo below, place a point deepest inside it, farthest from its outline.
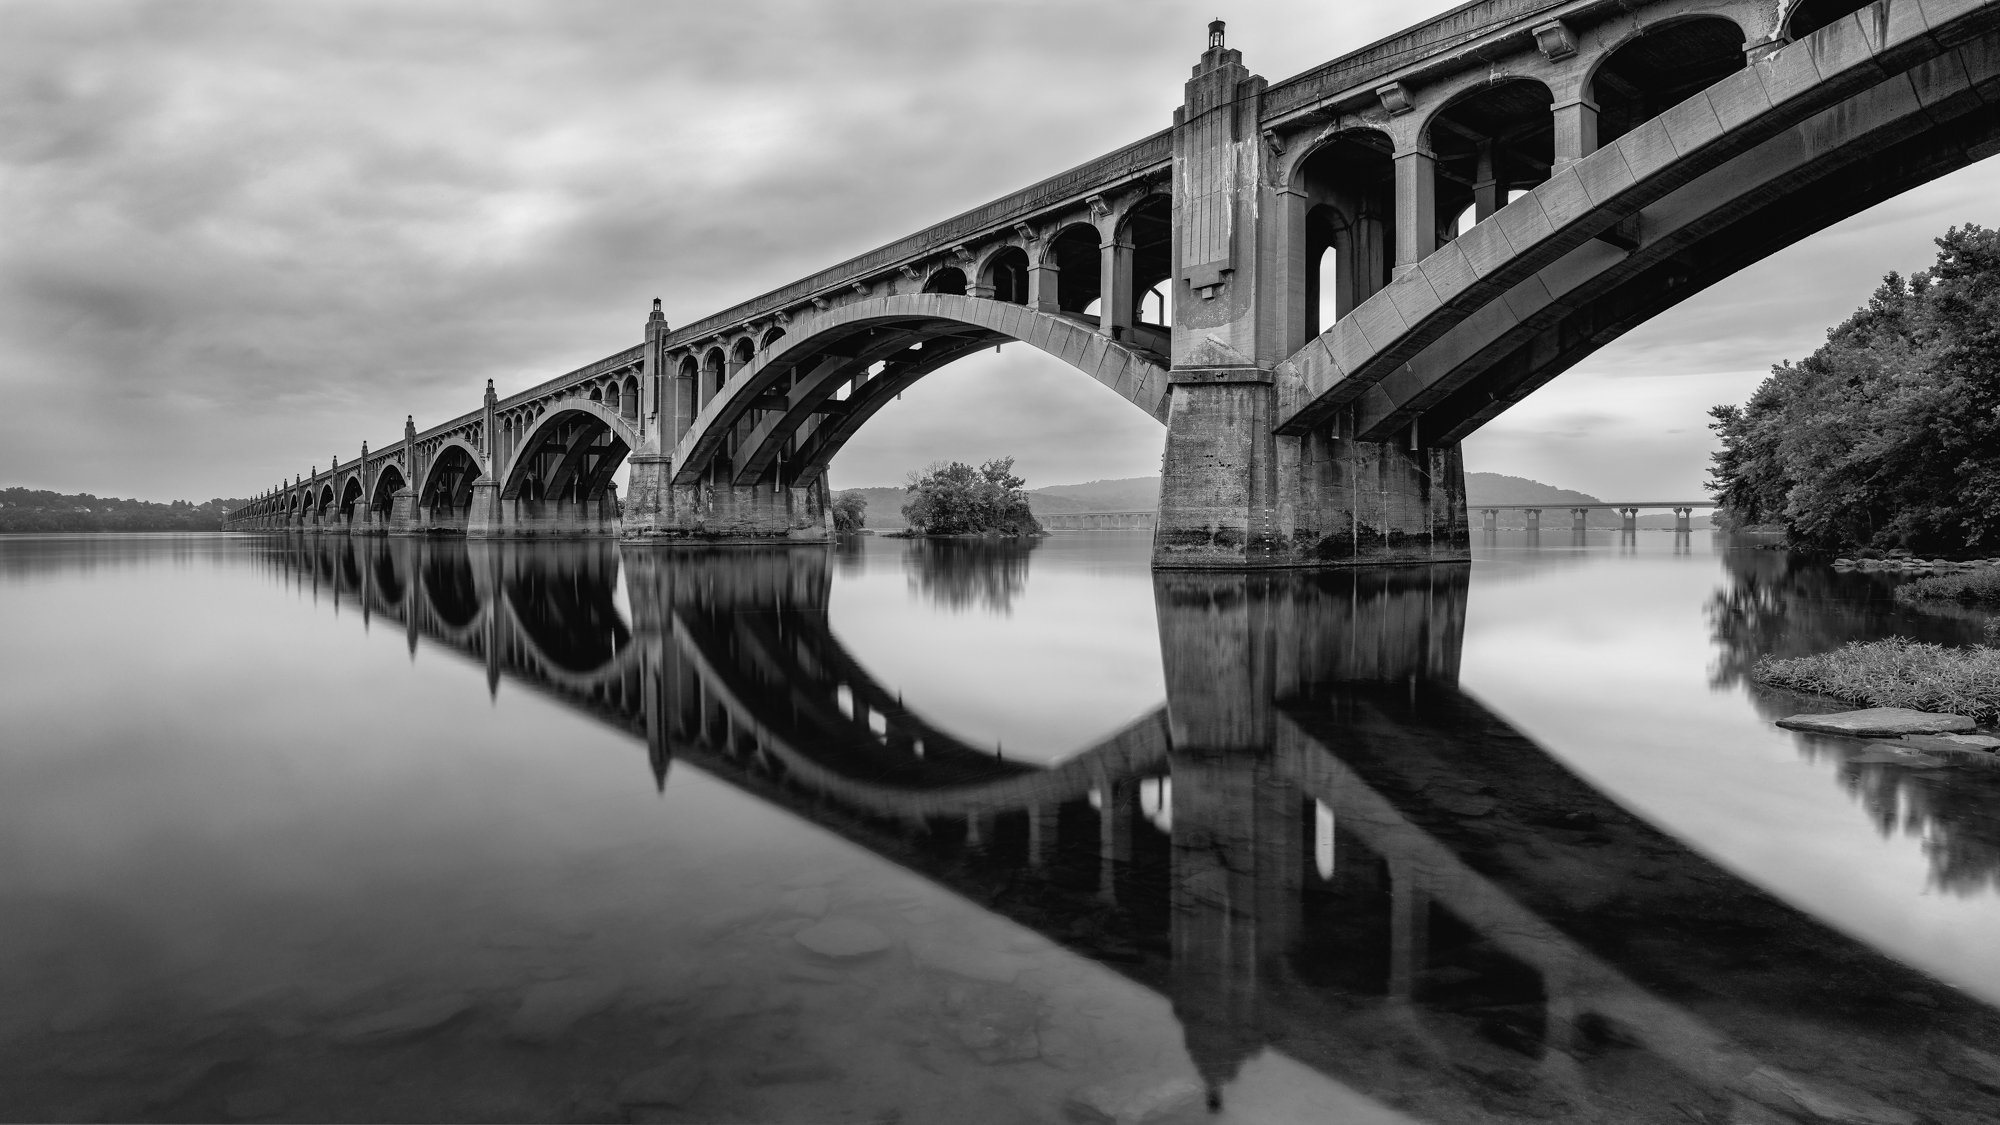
(1963, 586)
(1897, 672)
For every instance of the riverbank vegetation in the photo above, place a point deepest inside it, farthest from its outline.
(1896, 673)
(953, 498)
(35, 510)
(1888, 435)
(1968, 586)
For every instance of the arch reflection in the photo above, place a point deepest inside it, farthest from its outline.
(1318, 846)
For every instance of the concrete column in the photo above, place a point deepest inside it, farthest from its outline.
(1629, 519)
(1486, 187)
(1534, 519)
(1416, 207)
(1490, 519)
(1115, 294)
(1297, 319)
(483, 519)
(1579, 519)
(1683, 519)
(1043, 276)
(1575, 131)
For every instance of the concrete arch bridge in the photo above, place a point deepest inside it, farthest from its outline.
(1319, 285)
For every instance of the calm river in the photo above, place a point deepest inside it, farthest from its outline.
(314, 829)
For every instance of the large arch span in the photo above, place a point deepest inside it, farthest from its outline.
(805, 394)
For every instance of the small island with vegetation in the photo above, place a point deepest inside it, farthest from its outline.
(1882, 447)
(952, 498)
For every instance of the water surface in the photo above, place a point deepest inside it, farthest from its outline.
(320, 829)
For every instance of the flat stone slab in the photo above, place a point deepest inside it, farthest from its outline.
(1879, 722)
(843, 938)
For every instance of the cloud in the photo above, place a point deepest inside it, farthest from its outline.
(244, 237)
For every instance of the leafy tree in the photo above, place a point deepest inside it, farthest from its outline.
(1888, 435)
(953, 498)
(850, 512)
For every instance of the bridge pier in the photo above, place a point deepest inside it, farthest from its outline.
(1579, 519)
(1629, 521)
(1683, 520)
(1235, 494)
(720, 513)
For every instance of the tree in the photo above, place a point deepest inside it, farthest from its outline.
(953, 498)
(1888, 435)
(850, 512)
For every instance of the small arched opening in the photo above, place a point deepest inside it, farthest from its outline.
(1007, 275)
(1347, 188)
(1148, 230)
(628, 399)
(949, 279)
(1075, 255)
(714, 373)
(1488, 145)
(1661, 68)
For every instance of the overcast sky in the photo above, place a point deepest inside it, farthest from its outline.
(240, 238)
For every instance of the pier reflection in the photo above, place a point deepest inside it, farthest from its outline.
(1318, 846)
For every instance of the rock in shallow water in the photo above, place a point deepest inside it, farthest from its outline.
(842, 938)
(1879, 722)
(1132, 1100)
(1984, 742)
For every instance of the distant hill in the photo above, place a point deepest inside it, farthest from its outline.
(36, 510)
(1134, 493)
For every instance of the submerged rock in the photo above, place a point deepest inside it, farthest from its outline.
(1879, 722)
(842, 938)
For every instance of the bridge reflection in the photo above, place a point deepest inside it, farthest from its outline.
(1318, 845)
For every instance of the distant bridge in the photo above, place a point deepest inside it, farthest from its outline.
(1097, 521)
(1319, 285)
(1683, 512)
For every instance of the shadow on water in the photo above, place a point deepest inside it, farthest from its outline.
(1318, 847)
(1777, 604)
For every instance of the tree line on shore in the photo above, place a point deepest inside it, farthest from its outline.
(30, 509)
(1888, 435)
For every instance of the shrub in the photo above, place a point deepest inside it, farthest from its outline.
(953, 498)
(1961, 586)
(850, 512)
(1897, 672)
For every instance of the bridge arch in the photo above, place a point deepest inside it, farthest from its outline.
(570, 452)
(389, 480)
(446, 491)
(805, 398)
(353, 499)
